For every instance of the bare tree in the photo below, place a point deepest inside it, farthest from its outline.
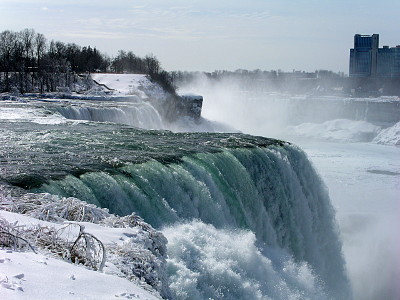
(40, 49)
(153, 65)
(8, 41)
(28, 62)
(27, 37)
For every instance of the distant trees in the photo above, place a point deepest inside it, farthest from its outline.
(29, 63)
(8, 50)
(127, 62)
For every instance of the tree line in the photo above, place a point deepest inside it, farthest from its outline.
(31, 63)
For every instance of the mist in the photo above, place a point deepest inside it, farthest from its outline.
(341, 136)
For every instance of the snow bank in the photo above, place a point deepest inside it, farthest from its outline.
(340, 130)
(26, 275)
(389, 136)
(135, 252)
(130, 85)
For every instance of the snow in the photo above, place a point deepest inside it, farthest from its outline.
(26, 275)
(124, 84)
(340, 130)
(389, 136)
(129, 84)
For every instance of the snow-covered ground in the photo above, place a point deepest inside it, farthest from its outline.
(130, 85)
(39, 271)
(26, 275)
(124, 84)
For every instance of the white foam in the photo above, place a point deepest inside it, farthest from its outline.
(207, 263)
(31, 114)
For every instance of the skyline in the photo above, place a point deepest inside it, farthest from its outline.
(209, 35)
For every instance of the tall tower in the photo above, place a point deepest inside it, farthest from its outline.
(374, 54)
(364, 56)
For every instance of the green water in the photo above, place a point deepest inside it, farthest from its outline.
(31, 153)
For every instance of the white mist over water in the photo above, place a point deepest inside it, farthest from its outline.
(363, 178)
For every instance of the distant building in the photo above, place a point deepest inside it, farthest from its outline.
(368, 60)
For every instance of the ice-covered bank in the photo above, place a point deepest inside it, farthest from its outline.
(25, 275)
(58, 248)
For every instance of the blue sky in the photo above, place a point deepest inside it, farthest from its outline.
(214, 35)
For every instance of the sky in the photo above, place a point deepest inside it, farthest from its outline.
(208, 35)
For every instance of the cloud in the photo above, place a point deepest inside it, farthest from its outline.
(194, 12)
(93, 34)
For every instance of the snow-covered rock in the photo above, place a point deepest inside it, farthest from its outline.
(389, 136)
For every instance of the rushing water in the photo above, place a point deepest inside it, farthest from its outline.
(246, 217)
(141, 114)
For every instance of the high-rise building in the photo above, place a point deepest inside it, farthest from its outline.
(368, 60)
(363, 57)
(396, 63)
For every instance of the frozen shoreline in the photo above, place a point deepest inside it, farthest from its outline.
(364, 183)
(45, 256)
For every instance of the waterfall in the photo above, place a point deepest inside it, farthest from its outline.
(273, 192)
(141, 114)
(246, 217)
